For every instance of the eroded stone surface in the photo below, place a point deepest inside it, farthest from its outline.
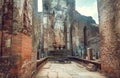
(85, 33)
(64, 26)
(110, 36)
(17, 38)
(73, 70)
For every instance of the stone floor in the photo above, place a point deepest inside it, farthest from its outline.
(72, 70)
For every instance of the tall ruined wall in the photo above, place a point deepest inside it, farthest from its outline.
(48, 31)
(22, 39)
(18, 58)
(109, 12)
(85, 34)
(63, 25)
(93, 40)
(55, 20)
(7, 63)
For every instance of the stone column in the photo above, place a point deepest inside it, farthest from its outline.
(89, 53)
(1, 14)
(109, 17)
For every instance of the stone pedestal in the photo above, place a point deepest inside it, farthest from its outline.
(89, 53)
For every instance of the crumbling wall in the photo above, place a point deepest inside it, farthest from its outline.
(7, 61)
(110, 36)
(93, 40)
(85, 34)
(22, 36)
(48, 31)
(55, 16)
(66, 27)
(18, 51)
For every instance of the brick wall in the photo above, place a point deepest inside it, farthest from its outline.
(26, 69)
(22, 59)
(7, 26)
(110, 36)
(19, 58)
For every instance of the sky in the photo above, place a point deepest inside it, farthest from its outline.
(39, 5)
(84, 7)
(87, 8)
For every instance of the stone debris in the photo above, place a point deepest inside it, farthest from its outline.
(91, 67)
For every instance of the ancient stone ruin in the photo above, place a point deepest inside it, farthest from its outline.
(29, 39)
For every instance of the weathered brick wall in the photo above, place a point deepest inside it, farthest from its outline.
(7, 26)
(18, 9)
(19, 54)
(8, 66)
(26, 69)
(110, 36)
(1, 3)
(22, 37)
(8, 61)
(29, 36)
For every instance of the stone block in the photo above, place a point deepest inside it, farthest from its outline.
(89, 54)
(91, 67)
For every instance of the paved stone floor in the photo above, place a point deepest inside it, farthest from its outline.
(72, 70)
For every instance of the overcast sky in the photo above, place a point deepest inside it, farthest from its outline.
(84, 7)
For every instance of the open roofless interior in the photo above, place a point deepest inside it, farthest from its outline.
(52, 39)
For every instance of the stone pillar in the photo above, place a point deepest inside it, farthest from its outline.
(1, 14)
(68, 38)
(89, 53)
(109, 17)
